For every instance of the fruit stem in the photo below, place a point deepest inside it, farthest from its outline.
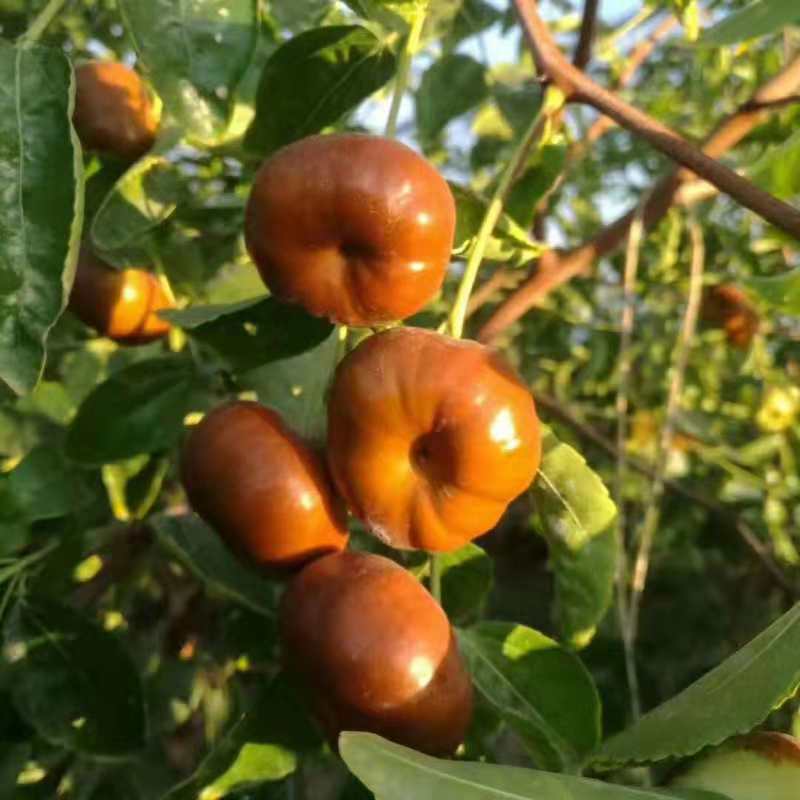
(436, 577)
(410, 49)
(39, 25)
(536, 132)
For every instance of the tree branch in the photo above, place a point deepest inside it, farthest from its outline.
(583, 50)
(557, 267)
(578, 87)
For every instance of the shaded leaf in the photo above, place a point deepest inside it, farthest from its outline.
(450, 87)
(757, 19)
(200, 549)
(394, 772)
(41, 210)
(733, 698)
(195, 316)
(472, 17)
(72, 681)
(571, 499)
(139, 409)
(778, 170)
(313, 80)
(542, 691)
(195, 52)
(467, 577)
(780, 292)
(535, 182)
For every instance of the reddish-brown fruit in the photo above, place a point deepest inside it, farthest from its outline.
(119, 304)
(261, 488)
(728, 307)
(113, 111)
(355, 228)
(376, 653)
(429, 438)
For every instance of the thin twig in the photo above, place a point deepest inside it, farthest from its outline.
(583, 50)
(39, 25)
(404, 67)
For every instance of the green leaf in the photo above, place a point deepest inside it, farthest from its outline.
(450, 87)
(195, 52)
(139, 409)
(313, 80)
(394, 772)
(542, 691)
(757, 19)
(257, 333)
(200, 549)
(41, 206)
(45, 486)
(72, 681)
(141, 200)
(261, 748)
(584, 584)
(297, 387)
(733, 698)
(778, 170)
(473, 17)
(195, 316)
(779, 292)
(535, 182)
(571, 499)
(467, 577)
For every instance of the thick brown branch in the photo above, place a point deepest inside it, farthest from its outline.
(583, 50)
(559, 267)
(577, 86)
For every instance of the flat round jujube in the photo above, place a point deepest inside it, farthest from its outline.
(430, 438)
(113, 111)
(261, 488)
(352, 227)
(376, 653)
(119, 304)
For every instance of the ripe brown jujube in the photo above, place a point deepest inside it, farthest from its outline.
(261, 488)
(430, 438)
(376, 653)
(113, 111)
(119, 304)
(352, 227)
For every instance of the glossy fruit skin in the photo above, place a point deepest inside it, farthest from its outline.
(728, 307)
(261, 488)
(376, 653)
(430, 438)
(113, 111)
(352, 227)
(119, 304)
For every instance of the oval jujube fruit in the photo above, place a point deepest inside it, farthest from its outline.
(261, 488)
(352, 227)
(113, 111)
(376, 653)
(728, 307)
(430, 438)
(119, 304)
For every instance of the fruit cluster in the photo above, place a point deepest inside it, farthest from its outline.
(429, 438)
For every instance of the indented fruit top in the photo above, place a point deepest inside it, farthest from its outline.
(113, 111)
(430, 438)
(355, 228)
(263, 490)
(377, 652)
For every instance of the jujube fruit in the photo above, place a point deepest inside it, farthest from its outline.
(376, 653)
(119, 304)
(113, 111)
(728, 307)
(261, 488)
(352, 227)
(430, 438)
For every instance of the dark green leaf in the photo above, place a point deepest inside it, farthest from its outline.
(298, 15)
(733, 698)
(570, 497)
(262, 332)
(467, 576)
(780, 292)
(193, 543)
(394, 772)
(542, 691)
(778, 170)
(195, 316)
(297, 387)
(41, 210)
(195, 53)
(72, 681)
(757, 19)
(139, 409)
(313, 80)
(473, 17)
(535, 182)
(452, 86)
(261, 748)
